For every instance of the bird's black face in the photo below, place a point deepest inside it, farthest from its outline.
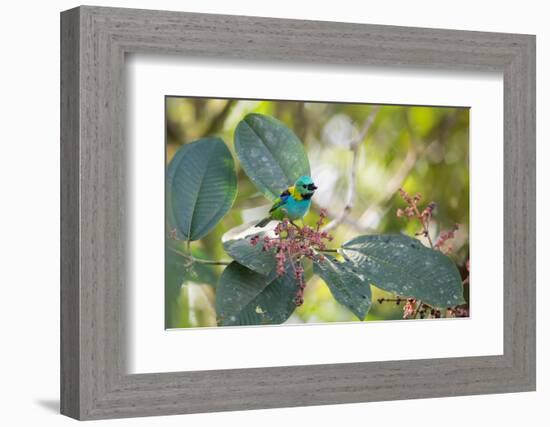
(305, 187)
(307, 190)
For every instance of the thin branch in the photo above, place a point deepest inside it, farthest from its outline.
(427, 234)
(418, 308)
(354, 148)
(210, 262)
(191, 259)
(425, 222)
(330, 250)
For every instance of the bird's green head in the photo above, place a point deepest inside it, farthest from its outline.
(305, 187)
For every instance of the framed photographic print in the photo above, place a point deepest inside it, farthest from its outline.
(272, 251)
(283, 213)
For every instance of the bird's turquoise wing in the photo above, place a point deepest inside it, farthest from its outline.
(280, 201)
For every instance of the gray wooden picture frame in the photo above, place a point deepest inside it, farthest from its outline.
(94, 42)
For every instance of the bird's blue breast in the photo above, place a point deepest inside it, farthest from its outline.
(296, 208)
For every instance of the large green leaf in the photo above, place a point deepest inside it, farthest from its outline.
(270, 153)
(350, 289)
(201, 187)
(253, 257)
(236, 243)
(245, 297)
(402, 265)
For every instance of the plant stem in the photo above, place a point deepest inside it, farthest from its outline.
(418, 308)
(425, 225)
(211, 262)
(200, 260)
(429, 239)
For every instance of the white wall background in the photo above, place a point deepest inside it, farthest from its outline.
(29, 211)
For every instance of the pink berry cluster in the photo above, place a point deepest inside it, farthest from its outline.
(412, 211)
(444, 237)
(460, 311)
(411, 309)
(291, 244)
(425, 216)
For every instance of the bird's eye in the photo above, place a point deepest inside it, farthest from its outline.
(304, 186)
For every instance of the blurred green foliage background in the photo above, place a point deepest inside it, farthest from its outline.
(420, 149)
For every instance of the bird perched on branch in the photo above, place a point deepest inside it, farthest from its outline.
(293, 203)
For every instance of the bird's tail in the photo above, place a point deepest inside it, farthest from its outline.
(263, 222)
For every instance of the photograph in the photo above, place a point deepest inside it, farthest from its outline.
(301, 212)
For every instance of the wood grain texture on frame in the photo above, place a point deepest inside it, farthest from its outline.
(94, 270)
